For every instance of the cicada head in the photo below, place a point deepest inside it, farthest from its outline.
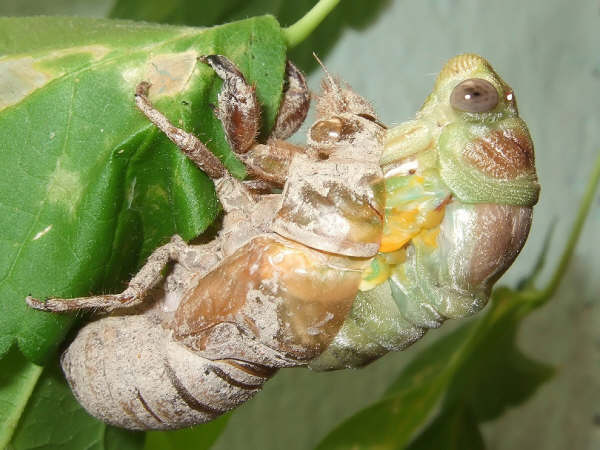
(466, 88)
(470, 131)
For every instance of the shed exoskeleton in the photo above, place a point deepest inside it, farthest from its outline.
(377, 235)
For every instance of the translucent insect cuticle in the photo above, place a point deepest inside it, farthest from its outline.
(325, 131)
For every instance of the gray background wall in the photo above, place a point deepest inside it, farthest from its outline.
(549, 51)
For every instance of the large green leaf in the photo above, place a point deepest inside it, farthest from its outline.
(18, 378)
(468, 377)
(199, 438)
(453, 429)
(87, 186)
(72, 429)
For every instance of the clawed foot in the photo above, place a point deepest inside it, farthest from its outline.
(239, 112)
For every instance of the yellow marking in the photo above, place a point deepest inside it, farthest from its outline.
(395, 258)
(400, 227)
(429, 237)
(434, 218)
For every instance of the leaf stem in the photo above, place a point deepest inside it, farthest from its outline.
(539, 297)
(296, 33)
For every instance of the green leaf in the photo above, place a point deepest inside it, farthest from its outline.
(201, 437)
(187, 12)
(496, 375)
(88, 188)
(473, 374)
(355, 14)
(41, 427)
(18, 378)
(454, 429)
(32, 398)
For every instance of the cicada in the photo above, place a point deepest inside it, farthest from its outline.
(330, 255)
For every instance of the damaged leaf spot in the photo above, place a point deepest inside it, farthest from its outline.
(42, 233)
(65, 187)
(168, 73)
(18, 78)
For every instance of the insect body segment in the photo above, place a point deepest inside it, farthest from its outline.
(376, 236)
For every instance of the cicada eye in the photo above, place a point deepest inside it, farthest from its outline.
(474, 95)
(327, 131)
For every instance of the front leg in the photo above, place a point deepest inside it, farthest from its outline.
(238, 108)
(139, 286)
(294, 104)
(189, 144)
(239, 112)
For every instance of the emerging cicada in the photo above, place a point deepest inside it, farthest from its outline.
(377, 235)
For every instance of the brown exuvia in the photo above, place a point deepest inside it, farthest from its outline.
(376, 236)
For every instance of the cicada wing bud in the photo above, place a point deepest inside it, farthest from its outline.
(286, 296)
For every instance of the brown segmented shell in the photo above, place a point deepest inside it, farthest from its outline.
(333, 207)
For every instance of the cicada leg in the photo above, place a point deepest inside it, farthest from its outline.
(147, 278)
(294, 104)
(239, 112)
(189, 144)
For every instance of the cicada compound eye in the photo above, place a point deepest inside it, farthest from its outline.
(474, 95)
(327, 131)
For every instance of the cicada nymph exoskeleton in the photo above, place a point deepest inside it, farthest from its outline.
(376, 236)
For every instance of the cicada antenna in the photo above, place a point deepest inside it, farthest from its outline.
(331, 84)
(334, 84)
